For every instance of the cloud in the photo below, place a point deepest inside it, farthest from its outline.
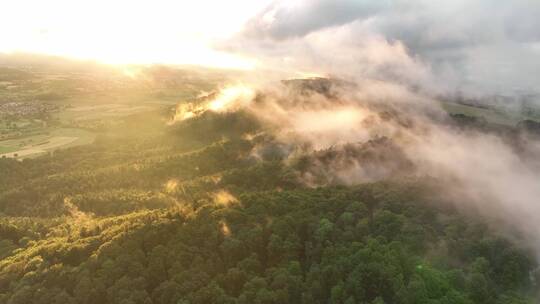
(480, 47)
(285, 20)
(389, 131)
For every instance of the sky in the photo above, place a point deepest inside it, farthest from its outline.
(126, 31)
(478, 47)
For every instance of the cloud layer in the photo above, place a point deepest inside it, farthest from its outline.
(478, 47)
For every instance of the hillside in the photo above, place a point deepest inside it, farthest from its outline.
(270, 152)
(197, 212)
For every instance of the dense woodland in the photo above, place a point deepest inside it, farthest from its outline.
(187, 214)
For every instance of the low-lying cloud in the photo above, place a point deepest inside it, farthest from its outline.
(372, 130)
(396, 57)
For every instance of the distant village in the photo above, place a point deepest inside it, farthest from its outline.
(26, 109)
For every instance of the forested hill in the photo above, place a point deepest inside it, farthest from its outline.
(165, 215)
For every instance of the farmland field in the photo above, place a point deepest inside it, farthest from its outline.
(4, 149)
(43, 109)
(89, 112)
(53, 139)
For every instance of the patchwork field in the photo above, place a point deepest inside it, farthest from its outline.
(46, 108)
(69, 126)
(36, 145)
(101, 111)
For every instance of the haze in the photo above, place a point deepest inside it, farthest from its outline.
(269, 152)
(162, 31)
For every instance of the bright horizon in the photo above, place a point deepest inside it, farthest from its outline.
(128, 32)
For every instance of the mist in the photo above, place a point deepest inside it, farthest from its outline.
(401, 56)
(270, 151)
(368, 130)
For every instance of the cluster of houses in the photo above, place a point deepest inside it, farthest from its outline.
(26, 109)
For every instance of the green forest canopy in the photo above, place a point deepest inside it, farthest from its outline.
(136, 218)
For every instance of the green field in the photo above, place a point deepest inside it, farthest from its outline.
(100, 111)
(4, 149)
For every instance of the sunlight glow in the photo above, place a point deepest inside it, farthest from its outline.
(123, 32)
(171, 186)
(232, 98)
(224, 198)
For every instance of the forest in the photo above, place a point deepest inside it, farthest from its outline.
(151, 213)
(270, 152)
